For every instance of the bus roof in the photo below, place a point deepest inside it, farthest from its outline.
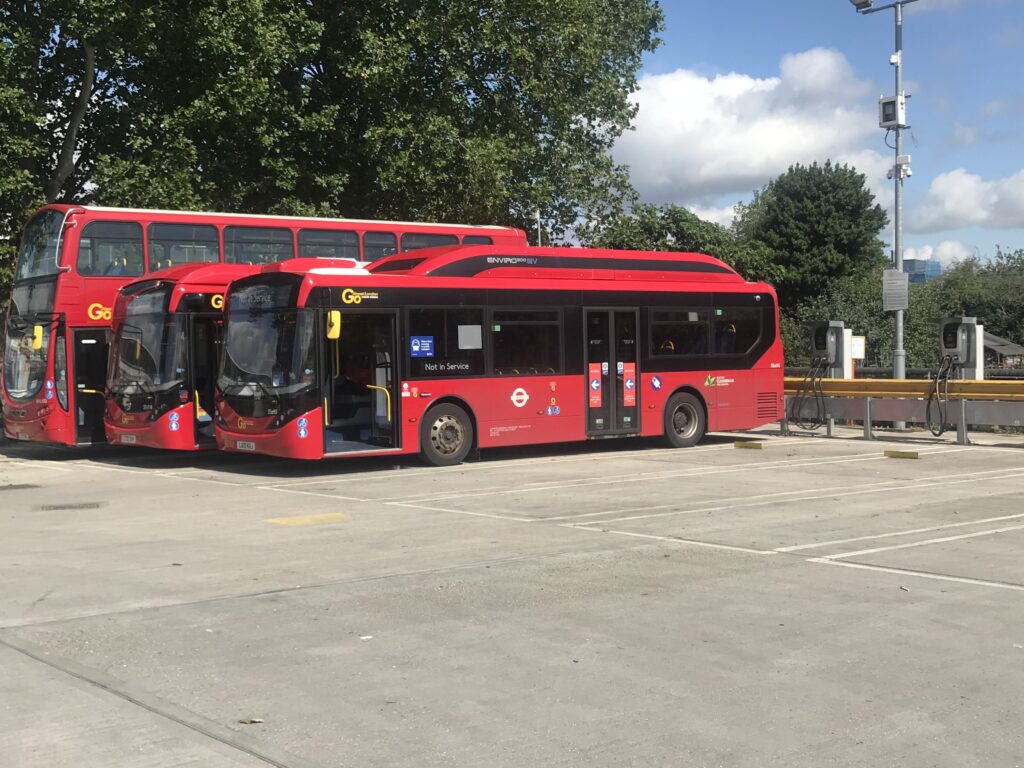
(558, 263)
(297, 219)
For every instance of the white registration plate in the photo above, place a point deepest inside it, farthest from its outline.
(21, 436)
(128, 439)
(245, 445)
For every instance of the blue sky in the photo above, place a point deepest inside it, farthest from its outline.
(741, 89)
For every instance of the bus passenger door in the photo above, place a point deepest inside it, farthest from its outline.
(205, 351)
(360, 384)
(613, 375)
(90, 370)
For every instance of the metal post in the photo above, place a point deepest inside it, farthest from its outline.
(899, 362)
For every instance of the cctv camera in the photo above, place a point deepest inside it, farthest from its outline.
(862, 5)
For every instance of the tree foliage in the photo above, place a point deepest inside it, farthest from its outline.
(671, 228)
(820, 223)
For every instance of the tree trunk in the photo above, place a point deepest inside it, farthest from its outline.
(66, 162)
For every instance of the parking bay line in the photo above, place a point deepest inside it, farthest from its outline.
(925, 543)
(918, 574)
(674, 540)
(825, 493)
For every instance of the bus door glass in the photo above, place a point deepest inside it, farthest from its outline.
(360, 383)
(90, 369)
(206, 341)
(613, 375)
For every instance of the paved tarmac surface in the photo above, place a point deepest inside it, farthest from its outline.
(808, 603)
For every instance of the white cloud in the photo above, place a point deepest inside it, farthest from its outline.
(699, 138)
(961, 199)
(965, 134)
(723, 216)
(947, 253)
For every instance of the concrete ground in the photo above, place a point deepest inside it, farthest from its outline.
(807, 603)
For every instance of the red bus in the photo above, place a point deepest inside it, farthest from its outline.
(447, 350)
(164, 353)
(73, 259)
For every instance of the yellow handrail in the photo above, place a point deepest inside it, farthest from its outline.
(387, 394)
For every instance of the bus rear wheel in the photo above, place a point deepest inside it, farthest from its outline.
(685, 421)
(446, 435)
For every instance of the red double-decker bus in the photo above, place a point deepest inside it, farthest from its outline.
(447, 350)
(72, 261)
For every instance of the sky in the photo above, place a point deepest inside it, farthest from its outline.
(740, 90)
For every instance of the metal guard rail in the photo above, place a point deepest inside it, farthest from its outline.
(973, 403)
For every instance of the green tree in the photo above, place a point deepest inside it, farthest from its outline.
(820, 223)
(672, 228)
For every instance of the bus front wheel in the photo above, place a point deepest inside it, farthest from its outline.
(446, 435)
(685, 422)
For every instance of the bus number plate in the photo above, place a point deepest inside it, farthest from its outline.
(245, 445)
(128, 439)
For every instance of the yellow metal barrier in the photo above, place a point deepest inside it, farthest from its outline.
(1008, 391)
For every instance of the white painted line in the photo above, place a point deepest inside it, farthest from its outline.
(925, 543)
(673, 540)
(463, 512)
(920, 574)
(893, 534)
(862, 489)
(41, 464)
(305, 493)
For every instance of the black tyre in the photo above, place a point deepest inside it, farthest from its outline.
(446, 435)
(685, 422)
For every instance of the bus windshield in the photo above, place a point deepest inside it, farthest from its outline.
(267, 351)
(39, 253)
(150, 349)
(24, 367)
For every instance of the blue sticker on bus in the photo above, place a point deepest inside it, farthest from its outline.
(49, 384)
(630, 384)
(49, 394)
(595, 384)
(554, 410)
(303, 433)
(303, 423)
(173, 426)
(656, 383)
(421, 346)
(174, 418)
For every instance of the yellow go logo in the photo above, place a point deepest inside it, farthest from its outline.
(348, 296)
(98, 312)
(217, 301)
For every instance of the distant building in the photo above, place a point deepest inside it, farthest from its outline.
(922, 270)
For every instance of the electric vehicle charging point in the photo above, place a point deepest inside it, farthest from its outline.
(962, 357)
(831, 358)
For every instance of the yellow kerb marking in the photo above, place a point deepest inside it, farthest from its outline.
(326, 517)
(748, 444)
(901, 455)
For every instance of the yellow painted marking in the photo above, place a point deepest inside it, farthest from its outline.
(757, 446)
(326, 517)
(902, 455)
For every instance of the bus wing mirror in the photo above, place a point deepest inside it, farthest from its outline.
(37, 337)
(334, 324)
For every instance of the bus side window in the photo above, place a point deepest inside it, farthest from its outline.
(111, 248)
(527, 342)
(328, 244)
(415, 241)
(736, 329)
(173, 244)
(377, 245)
(679, 332)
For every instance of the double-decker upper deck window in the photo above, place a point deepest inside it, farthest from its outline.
(111, 249)
(377, 245)
(477, 240)
(736, 329)
(679, 332)
(173, 244)
(257, 245)
(328, 244)
(527, 342)
(413, 241)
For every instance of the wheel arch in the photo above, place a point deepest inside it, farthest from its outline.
(461, 403)
(690, 391)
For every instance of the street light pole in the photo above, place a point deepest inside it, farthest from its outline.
(899, 171)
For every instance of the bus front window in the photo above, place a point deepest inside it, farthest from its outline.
(24, 358)
(39, 253)
(268, 356)
(148, 363)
